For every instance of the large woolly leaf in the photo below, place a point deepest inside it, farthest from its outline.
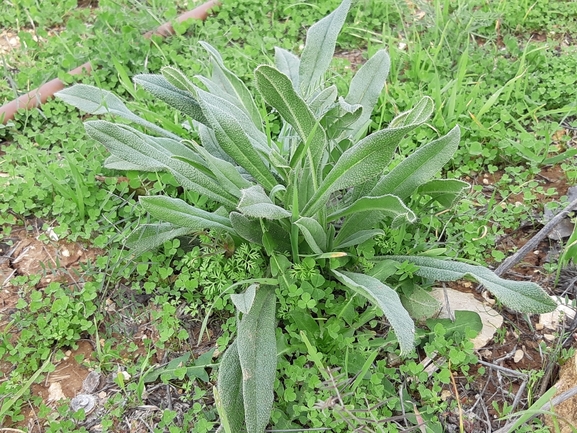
(521, 296)
(230, 127)
(323, 101)
(339, 120)
(247, 228)
(257, 138)
(149, 236)
(230, 388)
(388, 205)
(244, 301)
(98, 101)
(418, 168)
(367, 158)
(135, 147)
(320, 47)
(387, 300)
(288, 64)
(115, 163)
(178, 79)
(276, 88)
(444, 191)
(255, 203)
(180, 213)
(210, 143)
(314, 234)
(366, 86)
(357, 238)
(173, 96)
(256, 342)
(225, 172)
(233, 85)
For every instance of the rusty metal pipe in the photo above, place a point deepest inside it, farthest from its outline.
(40, 95)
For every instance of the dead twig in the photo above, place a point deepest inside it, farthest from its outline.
(535, 240)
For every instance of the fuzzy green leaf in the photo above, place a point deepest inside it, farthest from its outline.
(419, 167)
(210, 143)
(178, 79)
(276, 88)
(230, 127)
(230, 388)
(135, 147)
(255, 203)
(98, 101)
(387, 300)
(358, 238)
(389, 205)
(115, 163)
(288, 64)
(257, 353)
(367, 158)
(323, 101)
(520, 296)
(320, 47)
(314, 234)
(173, 96)
(180, 213)
(444, 191)
(233, 86)
(244, 301)
(366, 87)
(340, 119)
(226, 173)
(246, 228)
(149, 236)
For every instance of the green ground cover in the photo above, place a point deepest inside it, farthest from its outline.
(503, 71)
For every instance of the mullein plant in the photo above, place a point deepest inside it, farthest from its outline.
(317, 188)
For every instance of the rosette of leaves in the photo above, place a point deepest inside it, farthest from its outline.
(317, 188)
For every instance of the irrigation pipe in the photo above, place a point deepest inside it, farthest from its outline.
(40, 95)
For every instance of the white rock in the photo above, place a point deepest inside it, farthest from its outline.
(467, 302)
(564, 309)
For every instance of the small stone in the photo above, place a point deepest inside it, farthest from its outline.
(487, 297)
(83, 401)
(55, 392)
(446, 394)
(539, 326)
(65, 252)
(519, 354)
(549, 337)
(91, 382)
